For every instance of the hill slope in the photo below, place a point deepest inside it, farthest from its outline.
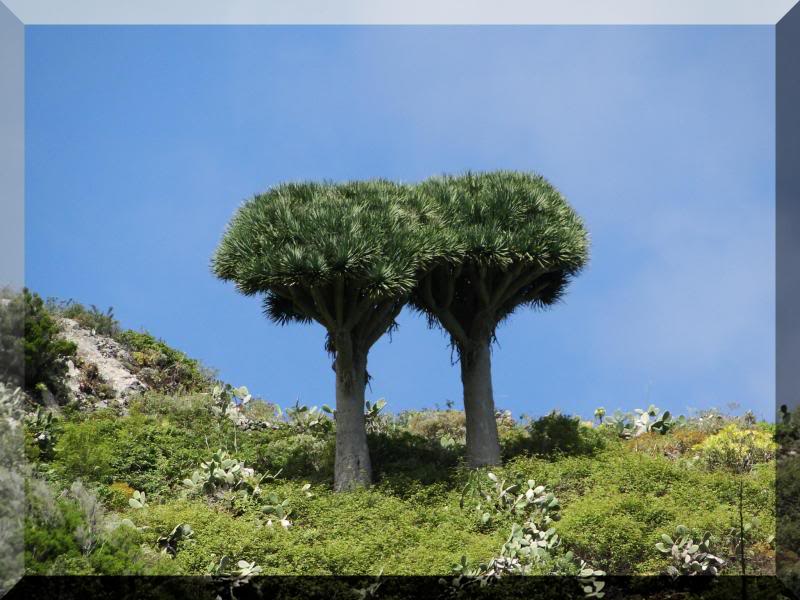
(153, 468)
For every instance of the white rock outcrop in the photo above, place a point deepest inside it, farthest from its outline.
(105, 354)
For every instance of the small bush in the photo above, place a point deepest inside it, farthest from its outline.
(92, 383)
(614, 533)
(163, 368)
(556, 434)
(86, 450)
(29, 337)
(678, 443)
(298, 455)
(92, 318)
(435, 424)
(736, 449)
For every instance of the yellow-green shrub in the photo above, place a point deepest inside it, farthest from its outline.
(736, 449)
(433, 424)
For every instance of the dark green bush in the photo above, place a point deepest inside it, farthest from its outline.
(788, 509)
(86, 449)
(29, 338)
(407, 456)
(554, 434)
(48, 538)
(45, 352)
(295, 455)
(52, 540)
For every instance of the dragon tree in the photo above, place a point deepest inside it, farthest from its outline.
(518, 244)
(346, 256)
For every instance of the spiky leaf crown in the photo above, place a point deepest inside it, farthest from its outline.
(367, 236)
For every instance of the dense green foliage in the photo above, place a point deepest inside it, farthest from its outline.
(516, 240)
(107, 491)
(31, 353)
(617, 496)
(298, 236)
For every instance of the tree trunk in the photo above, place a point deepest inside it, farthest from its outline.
(352, 468)
(483, 445)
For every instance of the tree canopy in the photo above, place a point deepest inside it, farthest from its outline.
(516, 242)
(340, 254)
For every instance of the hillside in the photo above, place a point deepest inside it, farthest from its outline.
(141, 462)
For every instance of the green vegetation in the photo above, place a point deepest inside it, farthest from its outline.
(34, 356)
(92, 318)
(31, 353)
(571, 499)
(163, 368)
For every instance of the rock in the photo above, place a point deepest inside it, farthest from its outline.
(104, 353)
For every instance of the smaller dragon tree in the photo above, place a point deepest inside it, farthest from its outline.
(346, 256)
(515, 242)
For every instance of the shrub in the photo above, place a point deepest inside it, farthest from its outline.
(678, 443)
(402, 456)
(102, 323)
(640, 422)
(41, 431)
(559, 434)
(223, 472)
(117, 494)
(614, 533)
(50, 534)
(297, 455)
(788, 511)
(260, 410)
(736, 449)
(86, 450)
(70, 535)
(163, 368)
(435, 424)
(29, 338)
(92, 383)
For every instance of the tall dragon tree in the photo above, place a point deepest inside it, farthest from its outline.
(518, 244)
(346, 256)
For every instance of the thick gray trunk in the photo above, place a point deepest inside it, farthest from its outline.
(352, 468)
(483, 445)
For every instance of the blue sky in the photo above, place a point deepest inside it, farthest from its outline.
(142, 141)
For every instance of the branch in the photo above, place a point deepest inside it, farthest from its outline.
(480, 281)
(534, 293)
(319, 302)
(357, 311)
(450, 279)
(380, 323)
(508, 278)
(305, 304)
(446, 318)
(338, 298)
(427, 293)
(514, 288)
